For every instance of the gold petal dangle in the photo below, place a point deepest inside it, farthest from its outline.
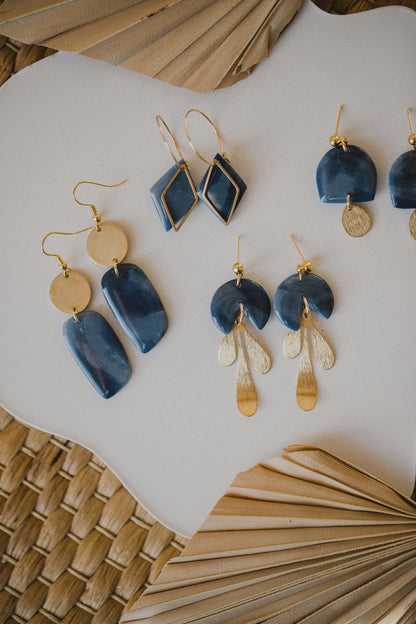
(246, 390)
(231, 303)
(306, 386)
(323, 353)
(227, 352)
(260, 359)
(292, 344)
(294, 300)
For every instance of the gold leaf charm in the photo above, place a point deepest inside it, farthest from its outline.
(323, 353)
(240, 345)
(227, 351)
(298, 342)
(292, 344)
(260, 359)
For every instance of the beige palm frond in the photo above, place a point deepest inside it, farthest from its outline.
(198, 44)
(303, 538)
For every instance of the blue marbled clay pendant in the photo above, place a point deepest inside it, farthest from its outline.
(231, 304)
(294, 301)
(88, 336)
(174, 194)
(128, 291)
(402, 180)
(221, 188)
(347, 174)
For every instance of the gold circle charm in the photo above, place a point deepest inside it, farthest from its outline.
(70, 292)
(412, 224)
(356, 220)
(107, 245)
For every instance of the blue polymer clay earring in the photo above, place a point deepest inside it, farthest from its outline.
(295, 299)
(128, 291)
(402, 179)
(174, 194)
(90, 339)
(221, 188)
(347, 174)
(233, 301)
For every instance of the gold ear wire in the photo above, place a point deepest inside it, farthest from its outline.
(62, 264)
(238, 268)
(196, 110)
(160, 121)
(335, 140)
(307, 266)
(96, 216)
(412, 137)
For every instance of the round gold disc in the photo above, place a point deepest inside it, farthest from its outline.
(73, 291)
(356, 220)
(412, 224)
(107, 245)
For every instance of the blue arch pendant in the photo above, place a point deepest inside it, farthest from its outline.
(288, 300)
(136, 305)
(402, 181)
(341, 173)
(225, 304)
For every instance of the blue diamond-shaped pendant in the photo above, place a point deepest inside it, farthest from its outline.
(174, 196)
(221, 188)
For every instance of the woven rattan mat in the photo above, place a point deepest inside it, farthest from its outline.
(76, 547)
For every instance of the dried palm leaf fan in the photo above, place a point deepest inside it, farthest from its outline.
(305, 538)
(197, 44)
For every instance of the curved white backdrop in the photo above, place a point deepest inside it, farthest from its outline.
(174, 434)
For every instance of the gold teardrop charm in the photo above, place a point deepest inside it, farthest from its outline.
(412, 224)
(356, 220)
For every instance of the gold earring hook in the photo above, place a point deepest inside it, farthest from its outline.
(62, 264)
(196, 110)
(95, 215)
(335, 140)
(238, 268)
(160, 121)
(412, 137)
(307, 266)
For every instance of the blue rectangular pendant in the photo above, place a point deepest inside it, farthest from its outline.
(221, 189)
(136, 305)
(98, 352)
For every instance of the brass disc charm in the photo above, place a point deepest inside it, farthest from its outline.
(356, 220)
(107, 245)
(71, 292)
(412, 224)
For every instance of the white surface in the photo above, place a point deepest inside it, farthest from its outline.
(174, 434)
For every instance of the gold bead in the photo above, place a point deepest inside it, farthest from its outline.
(412, 139)
(334, 140)
(238, 268)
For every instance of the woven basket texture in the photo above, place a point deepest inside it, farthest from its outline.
(76, 547)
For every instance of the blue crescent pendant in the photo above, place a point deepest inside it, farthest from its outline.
(225, 304)
(288, 300)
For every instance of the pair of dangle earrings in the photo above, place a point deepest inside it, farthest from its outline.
(295, 299)
(175, 195)
(129, 293)
(347, 173)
